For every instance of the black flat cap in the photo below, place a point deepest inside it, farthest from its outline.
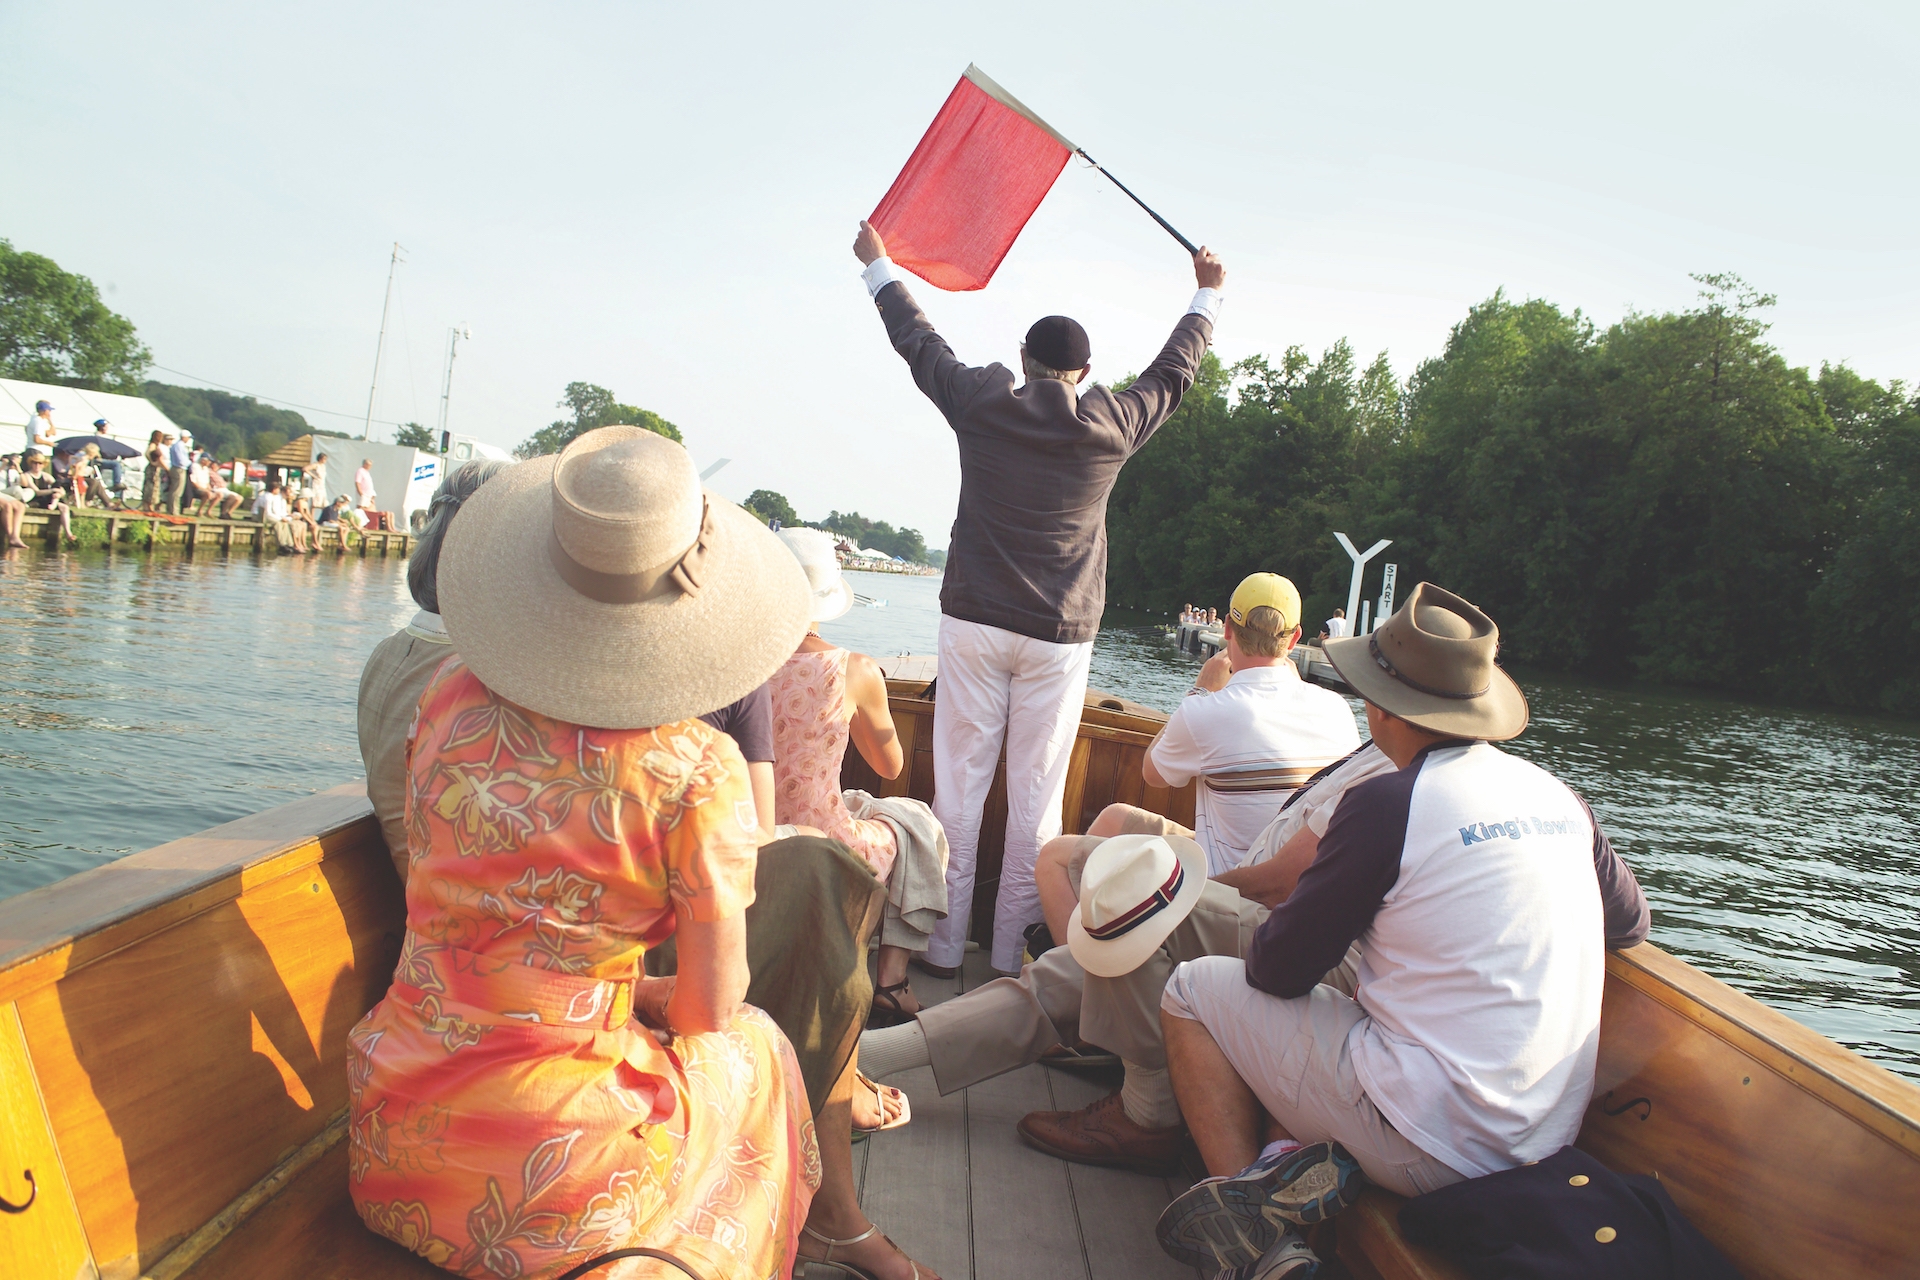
(1059, 343)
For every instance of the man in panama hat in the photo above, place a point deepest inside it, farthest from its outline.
(1481, 897)
(1026, 572)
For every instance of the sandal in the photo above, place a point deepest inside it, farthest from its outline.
(880, 1092)
(894, 1014)
(847, 1268)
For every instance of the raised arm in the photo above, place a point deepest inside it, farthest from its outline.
(939, 374)
(1156, 393)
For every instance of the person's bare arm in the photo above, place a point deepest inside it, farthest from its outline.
(760, 777)
(873, 732)
(712, 974)
(1270, 883)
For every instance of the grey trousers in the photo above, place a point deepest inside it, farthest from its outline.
(1010, 1022)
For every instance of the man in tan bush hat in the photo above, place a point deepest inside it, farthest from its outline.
(1480, 896)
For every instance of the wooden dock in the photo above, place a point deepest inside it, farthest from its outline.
(960, 1192)
(141, 530)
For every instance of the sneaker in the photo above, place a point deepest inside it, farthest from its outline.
(1289, 1259)
(1232, 1221)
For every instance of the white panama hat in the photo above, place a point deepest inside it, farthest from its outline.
(1134, 890)
(813, 548)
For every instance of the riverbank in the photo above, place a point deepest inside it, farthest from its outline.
(141, 530)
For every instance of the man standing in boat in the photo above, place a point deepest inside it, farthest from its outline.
(1026, 570)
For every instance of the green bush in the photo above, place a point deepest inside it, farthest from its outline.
(89, 531)
(137, 533)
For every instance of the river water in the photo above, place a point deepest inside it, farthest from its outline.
(148, 697)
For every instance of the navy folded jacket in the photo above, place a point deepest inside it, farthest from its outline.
(1567, 1217)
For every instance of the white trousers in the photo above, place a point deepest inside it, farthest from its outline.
(997, 684)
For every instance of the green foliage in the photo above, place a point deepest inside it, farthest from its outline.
(227, 426)
(1666, 498)
(592, 407)
(413, 435)
(136, 534)
(878, 535)
(89, 531)
(771, 506)
(54, 328)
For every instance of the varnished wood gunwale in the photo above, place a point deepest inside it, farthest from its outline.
(48, 932)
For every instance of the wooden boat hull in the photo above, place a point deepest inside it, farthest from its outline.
(173, 1032)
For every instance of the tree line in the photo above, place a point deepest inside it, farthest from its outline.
(1665, 498)
(875, 535)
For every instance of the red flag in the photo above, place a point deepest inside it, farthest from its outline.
(983, 167)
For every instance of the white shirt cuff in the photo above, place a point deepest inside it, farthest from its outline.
(879, 274)
(1205, 303)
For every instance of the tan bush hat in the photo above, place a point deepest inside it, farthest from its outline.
(1432, 665)
(1134, 891)
(604, 587)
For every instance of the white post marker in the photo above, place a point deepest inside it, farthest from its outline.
(1359, 572)
(1385, 610)
(1366, 618)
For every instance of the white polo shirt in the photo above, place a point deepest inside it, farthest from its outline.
(1267, 720)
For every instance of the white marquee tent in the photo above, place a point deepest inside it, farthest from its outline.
(130, 419)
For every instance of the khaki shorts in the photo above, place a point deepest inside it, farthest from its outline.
(1293, 1054)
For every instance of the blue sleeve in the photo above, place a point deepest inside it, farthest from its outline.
(1340, 892)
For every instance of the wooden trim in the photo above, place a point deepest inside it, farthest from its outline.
(1866, 1093)
(182, 1256)
(48, 932)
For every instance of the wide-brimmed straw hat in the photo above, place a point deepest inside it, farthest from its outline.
(1432, 665)
(1134, 891)
(604, 587)
(831, 594)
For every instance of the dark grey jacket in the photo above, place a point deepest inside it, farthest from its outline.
(1029, 547)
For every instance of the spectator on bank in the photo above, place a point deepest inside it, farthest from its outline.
(199, 480)
(13, 500)
(179, 459)
(317, 482)
(305, 529)
(46, 494)
(40, 431)
(97, 485)
(1335, 627)
(220, 501)
(153, 481)
(334, 512)
(363, 484)
(110, 468)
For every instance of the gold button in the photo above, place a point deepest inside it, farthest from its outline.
(1605, 1235)
(1577, 1180)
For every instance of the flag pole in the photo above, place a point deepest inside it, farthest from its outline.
(1185, 243)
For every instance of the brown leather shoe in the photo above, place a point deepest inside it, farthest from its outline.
(1101, 1133)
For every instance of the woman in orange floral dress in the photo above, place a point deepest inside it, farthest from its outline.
(509, 1115)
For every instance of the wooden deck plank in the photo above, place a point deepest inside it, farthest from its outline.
(917, 1187)
(1022, 1200)
(1117, 1208)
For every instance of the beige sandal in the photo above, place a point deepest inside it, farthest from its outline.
(826, 1259)
(880, 1095)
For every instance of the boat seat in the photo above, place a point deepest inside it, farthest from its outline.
(310, 1230)
(1370, 1246)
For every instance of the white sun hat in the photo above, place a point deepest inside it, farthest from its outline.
(813, 548)
(1133, 892)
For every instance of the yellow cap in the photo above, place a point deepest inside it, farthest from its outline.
(1271, 590)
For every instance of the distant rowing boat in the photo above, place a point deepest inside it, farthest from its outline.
(868, 601)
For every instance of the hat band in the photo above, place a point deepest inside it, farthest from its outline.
(683, 573)
(1380, 660)
(1130, 920)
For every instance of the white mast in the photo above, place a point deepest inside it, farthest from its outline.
(392, 266)
(454, 337)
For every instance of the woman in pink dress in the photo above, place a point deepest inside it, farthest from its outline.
(823, 696)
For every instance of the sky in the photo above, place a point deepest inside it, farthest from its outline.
(662, 199)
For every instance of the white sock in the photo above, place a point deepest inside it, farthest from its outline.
(1279, 1147)
(889, 1050)
(1147, 1097)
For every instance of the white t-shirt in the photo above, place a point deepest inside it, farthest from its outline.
(271, 505)
(1266, 720)
(1336, 628)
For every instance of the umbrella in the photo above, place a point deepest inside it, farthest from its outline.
(109, 447)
